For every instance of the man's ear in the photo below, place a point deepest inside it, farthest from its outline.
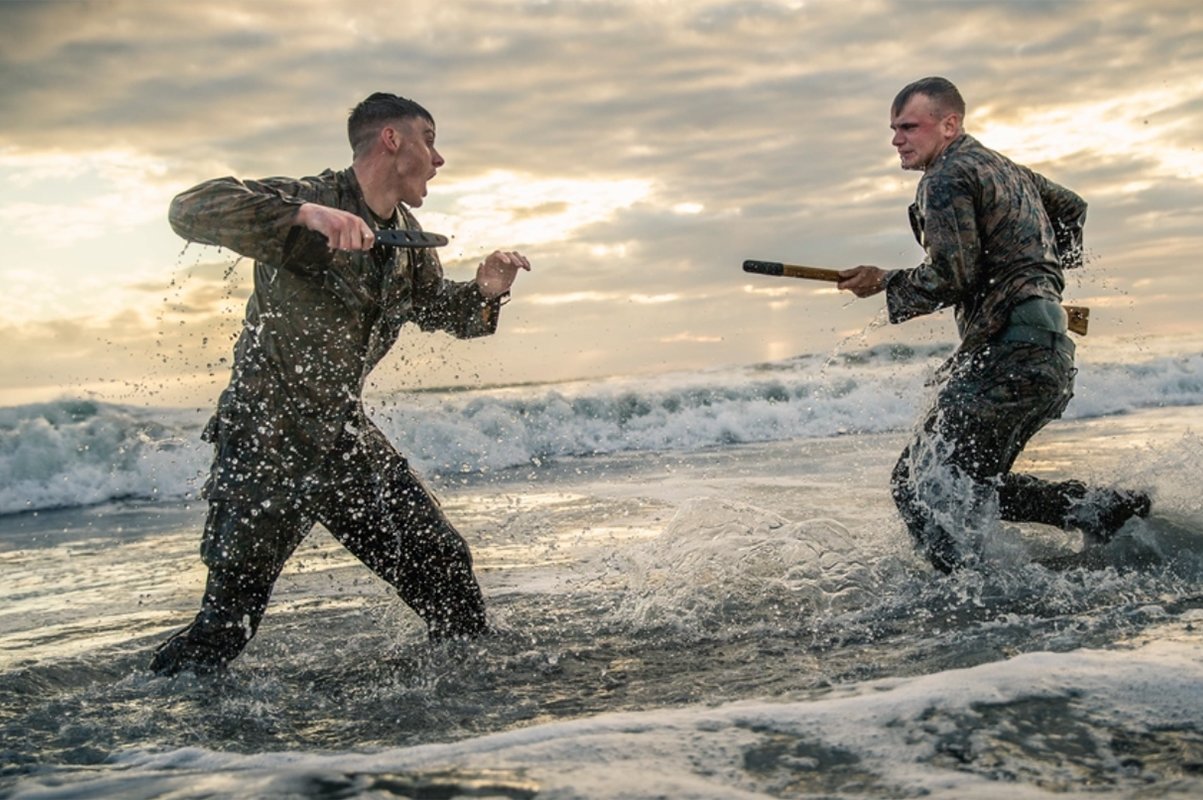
(950, 125)
(391, 137)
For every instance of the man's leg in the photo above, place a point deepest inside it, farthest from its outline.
(392, 523)
(1098, 513)
(245, 547)
(992, 404)
(916, 489)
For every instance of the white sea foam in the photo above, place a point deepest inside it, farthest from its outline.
(79, 452)
(717, 558)
(928, 736)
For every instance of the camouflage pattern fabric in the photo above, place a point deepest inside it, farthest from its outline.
(294, 445)
(995, 234)
(374, 506)
(316, 324)
(954, 477)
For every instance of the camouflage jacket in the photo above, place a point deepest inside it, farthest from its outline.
(316, 324)
(995, 233)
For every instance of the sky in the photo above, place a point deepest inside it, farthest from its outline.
(636, 151)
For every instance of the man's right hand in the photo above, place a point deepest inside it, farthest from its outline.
(342, 229)
(863, 281)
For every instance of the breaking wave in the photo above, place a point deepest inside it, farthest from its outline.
(75, 452)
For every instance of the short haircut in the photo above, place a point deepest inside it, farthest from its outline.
(943, 94)
(374, 112)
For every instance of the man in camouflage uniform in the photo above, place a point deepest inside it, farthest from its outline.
(997, 236)
(293, 443)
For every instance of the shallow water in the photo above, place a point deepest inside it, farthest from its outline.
(666, 586)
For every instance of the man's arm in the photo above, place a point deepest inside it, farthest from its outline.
(1067, 213)
(951, 266)
(252, 218)
(267, 220)
(465, 309)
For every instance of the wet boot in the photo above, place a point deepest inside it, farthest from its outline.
(453, 613)
(943, 554)
(229, 616)
(186, 651)
(1105, 511)
(1098, 513)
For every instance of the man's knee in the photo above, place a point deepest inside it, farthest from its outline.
(244, 546)
(902, 488)
(250, 537)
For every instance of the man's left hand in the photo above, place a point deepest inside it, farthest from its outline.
(496, 274)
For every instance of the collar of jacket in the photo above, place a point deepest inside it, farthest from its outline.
(964, 140)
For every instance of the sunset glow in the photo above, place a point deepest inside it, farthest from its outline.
(636, 156)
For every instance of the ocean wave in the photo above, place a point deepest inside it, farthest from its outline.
(79, 452)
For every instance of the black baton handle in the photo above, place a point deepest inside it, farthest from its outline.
(775, 268)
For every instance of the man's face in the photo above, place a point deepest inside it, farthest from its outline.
(417, 161)
(920, 133)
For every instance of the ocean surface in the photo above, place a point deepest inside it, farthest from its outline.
(699, 584)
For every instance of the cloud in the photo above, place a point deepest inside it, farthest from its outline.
(117, 190)
(637, 150)
(506, 209)
(1142, 121)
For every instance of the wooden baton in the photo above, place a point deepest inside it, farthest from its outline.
(1079, 316)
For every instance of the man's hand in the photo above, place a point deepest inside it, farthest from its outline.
(864, 281)
(342, 229)
(496, 274)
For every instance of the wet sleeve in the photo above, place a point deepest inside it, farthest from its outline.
(456, 307)
(952, 267)
(1067, 213)
(252, 218)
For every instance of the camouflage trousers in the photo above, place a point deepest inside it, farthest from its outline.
(374, 506)
(955, 477)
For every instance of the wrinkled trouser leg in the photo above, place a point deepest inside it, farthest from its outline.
(950, 475)
(245, 548)
(389, 520)
(376, 507)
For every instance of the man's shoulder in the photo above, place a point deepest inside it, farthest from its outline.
(971, 162)
(330, 177)
(336, 188)
(308, 186)
(978, 156)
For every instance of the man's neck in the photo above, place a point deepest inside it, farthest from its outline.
(953, 142)
(381, 201)
(949, 145)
